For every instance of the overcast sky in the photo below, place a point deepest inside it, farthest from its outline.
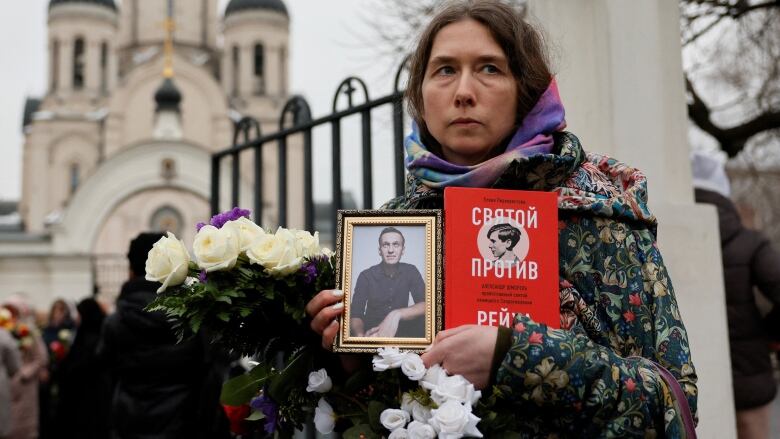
(329, 42)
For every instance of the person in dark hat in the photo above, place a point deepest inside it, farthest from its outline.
(162, 389)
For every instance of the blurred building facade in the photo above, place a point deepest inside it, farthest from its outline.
(121, 141)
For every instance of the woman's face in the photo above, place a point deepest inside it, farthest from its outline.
(469, 92)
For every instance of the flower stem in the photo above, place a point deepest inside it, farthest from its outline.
(351, 399)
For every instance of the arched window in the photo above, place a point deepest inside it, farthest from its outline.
(259, 76)
(73, 177)
(55, 64)
(166, 219)
(236, 70)
(104, 67)
(78, 63)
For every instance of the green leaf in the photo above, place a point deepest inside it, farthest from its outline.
(224, 316)
(357, 382)
(360, 431)
(295, 372)
(375, 409)
(241, 389)
(255, 416)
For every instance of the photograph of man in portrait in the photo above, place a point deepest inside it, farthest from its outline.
(388, 297)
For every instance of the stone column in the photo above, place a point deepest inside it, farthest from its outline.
(65, 82)
(92, 67)
(619, 69)
(246, 66)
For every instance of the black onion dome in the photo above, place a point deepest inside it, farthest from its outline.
(167, 96)
(243, 5)
(106, 3)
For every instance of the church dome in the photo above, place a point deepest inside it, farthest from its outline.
(106, 3)
(167, 96)
(244, 5)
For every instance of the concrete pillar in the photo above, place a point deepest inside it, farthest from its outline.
(619, 69)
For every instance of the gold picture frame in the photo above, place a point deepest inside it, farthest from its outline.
(381, 254)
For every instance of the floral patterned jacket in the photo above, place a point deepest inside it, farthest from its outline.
(597, 375)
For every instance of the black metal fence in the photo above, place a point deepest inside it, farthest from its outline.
(248, 136)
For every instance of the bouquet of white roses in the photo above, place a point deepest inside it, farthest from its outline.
(246, 287)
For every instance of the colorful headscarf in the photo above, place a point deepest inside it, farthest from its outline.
(534, 136)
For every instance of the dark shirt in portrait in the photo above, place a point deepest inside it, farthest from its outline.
(385, 287)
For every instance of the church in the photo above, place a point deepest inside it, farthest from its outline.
(138, 98)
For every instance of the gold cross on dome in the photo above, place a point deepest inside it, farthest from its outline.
(169, 27)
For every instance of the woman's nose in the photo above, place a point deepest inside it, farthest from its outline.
(464, 94)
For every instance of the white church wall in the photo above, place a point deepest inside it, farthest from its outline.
(132, 107)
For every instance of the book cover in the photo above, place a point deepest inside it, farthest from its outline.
(500, 256)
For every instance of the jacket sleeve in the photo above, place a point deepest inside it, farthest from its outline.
(765, 270)
(599, 377)
(10, 354)
(39, 360)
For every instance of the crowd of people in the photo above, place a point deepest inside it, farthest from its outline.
(80, 373)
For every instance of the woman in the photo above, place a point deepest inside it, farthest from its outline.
(9, 365)
(487, 114)
(24, 385)
(57, 336)
(85, 393)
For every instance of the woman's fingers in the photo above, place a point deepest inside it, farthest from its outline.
(325, 317)
(441, 336)
(329, 334)
(323, 299)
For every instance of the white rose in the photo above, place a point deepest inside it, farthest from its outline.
(275, 252)
(412, 366)
(432, 377)
(393, 419)
(319, 382)
(387, 358)
(398, 433)
(455, 388)
(454, 420)
(420, 430)
(324, 418)
(216, 249)
(418, 411)
(306, 244)
(167, 262)
(248, 232)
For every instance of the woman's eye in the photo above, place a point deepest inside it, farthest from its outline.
(445, 70)
(490, 68)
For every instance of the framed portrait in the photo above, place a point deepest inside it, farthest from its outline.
(390, 269)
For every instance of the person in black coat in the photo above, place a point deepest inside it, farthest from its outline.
(162, 389)
(83, 381)
(749, 261)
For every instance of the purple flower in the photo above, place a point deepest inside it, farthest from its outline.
(202, 276)
(309, 271)
(265, 405)
(220, 219)
(199, 226)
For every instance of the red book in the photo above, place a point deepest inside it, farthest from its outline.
(501, 256)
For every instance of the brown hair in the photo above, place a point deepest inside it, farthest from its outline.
(522, 44)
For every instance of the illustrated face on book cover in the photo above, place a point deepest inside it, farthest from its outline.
(503, 240)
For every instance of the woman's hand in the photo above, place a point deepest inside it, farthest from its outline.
(466, 350)
(323, 309)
